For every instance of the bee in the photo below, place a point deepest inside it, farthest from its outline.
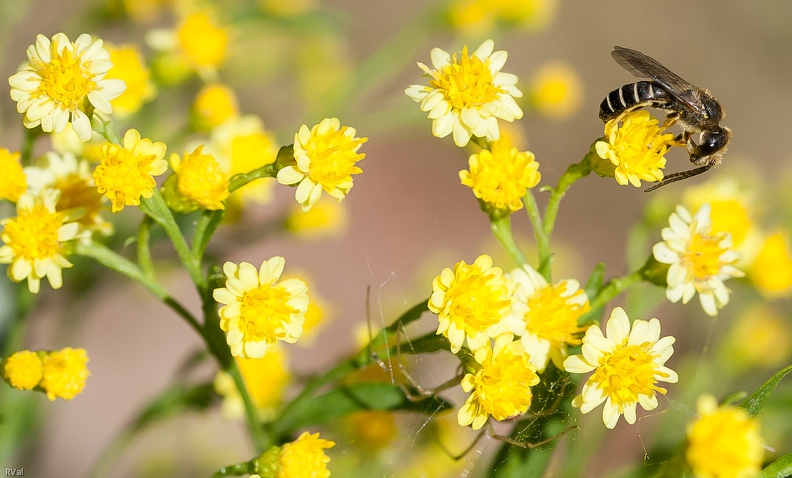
(695, 109)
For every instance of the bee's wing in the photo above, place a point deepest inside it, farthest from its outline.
(644, 66)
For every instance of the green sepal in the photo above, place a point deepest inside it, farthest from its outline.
(759, 398)
(780, 468)
(351, 398)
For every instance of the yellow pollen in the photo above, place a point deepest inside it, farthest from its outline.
(64, 78)
(34, 233)
(333, 158)
(264, 310)
(702, 256)
(626, 373)
(475, 302)
(467, 82)
(551, 317)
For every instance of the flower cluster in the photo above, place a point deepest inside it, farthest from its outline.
(301, 458)
(59, 374)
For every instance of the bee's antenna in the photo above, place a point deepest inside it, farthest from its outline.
(680, 176)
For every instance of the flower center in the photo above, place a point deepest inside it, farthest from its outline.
(477, 302)
(503, 385)
(703, 256)
(467, 82)
(626, 373)
(34, 233)
(552, 317)
(264, 311)
(124, 173)
(65, 78)
(333, 156)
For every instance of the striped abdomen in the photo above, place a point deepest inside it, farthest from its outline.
(634, 95)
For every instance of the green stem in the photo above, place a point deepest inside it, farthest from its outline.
(570, 176)
(144, 247)
(26, 152)
(156, 208)
(542, 241)
(261, 439)
(614, 287)
(501, 228)
(122, 265)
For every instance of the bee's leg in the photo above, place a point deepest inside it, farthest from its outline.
(671, 119)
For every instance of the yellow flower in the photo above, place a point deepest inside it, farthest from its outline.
(550, 313)
(13, 181)
(127, 172)
(700, 259)
(200, 182)
(65, 373)
(501, 387)
(771, 271)
(732, 208)
(214, 104)
(556, 90)
(500, 177)
(627, 364)
(129, 66)
(266, 378)
(325, 159)
(34, 240)
(481, 16)
(474, 303)
(242, 144)
(258, 310)
(761, 337)
(373, 429)
(202, 40)
(23, 370)
(723, 442)
(288, 8)
(636, 148)
(302, 458)
(60, 76)
(327, 218)
(468, 93)
(72, 178)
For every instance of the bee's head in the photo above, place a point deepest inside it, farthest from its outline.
(712, 146)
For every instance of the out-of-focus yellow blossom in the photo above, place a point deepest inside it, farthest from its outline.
(197, 43)
(474, 304)
(67, 141)
(258, 310)
(215, 104)
(723, 442)
(555, 90)
(127, 172)
(23, 370)
(266, 378)
(627, 365)
(199, 181)
(325, 160)
(60, 77)
(482, 16)
(499, 177)
(468, 93)
(288, 8)
(146, 11)
(373, 429)
(327, 218)
(302, 458)
(242, 144)
(732, 210)
(760, 338)
(72, 177)
(65, 373)
(501, 388)
(35, 240)
(700, 259)
(771, 271)
(130, 67)
(636, 146)
(13, 181)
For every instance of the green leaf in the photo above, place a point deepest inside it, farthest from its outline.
(351, 398)
(780, 468)
(757, 401)
(595, 280)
